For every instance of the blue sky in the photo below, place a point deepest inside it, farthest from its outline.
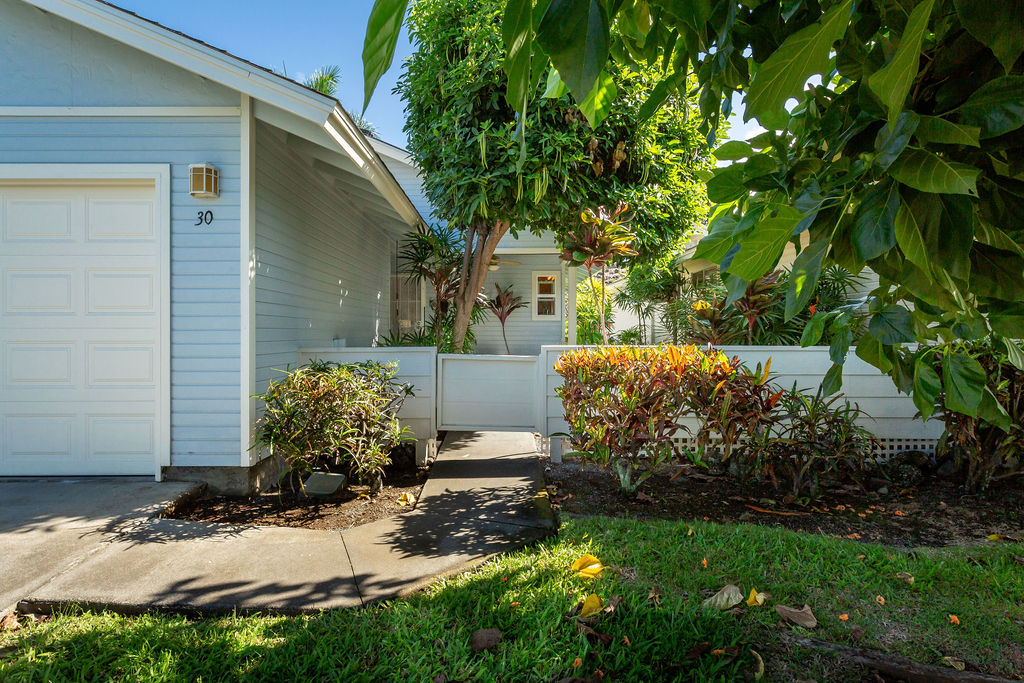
(298, 36)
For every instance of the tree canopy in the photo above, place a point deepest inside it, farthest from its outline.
(489, 169)
(893, 140)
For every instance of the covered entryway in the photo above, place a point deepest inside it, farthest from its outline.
(83, 331)
(487, 392)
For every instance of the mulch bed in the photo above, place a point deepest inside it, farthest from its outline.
(349, 507)
(934, 513)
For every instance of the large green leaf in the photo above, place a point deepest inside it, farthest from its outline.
(997, 107)
(892, 139)
(574, 33)
(874, 224)
(761, 248)
(892, 82)
(934, 129)
(908, 236)
(732, 150)
(922, 170)
(717, 243)
(555, 87)
(727, 185)
(813, 330)
(989, 234)
(517, 37)
(803, 277)
(382, 29)
(833, 380)
(996, 24)
(870, 351)
(964, 381)
(801, 55)
(927, 386)
(991, 412)
(599, 101)
(1007, 319)
(892, 325)
(1014, 353)
(996, 273)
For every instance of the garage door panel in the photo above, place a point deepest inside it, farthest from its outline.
(80, 334)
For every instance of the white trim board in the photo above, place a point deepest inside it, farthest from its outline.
(160, 176)
(247, 285)
(107, 112)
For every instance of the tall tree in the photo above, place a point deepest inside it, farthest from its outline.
(489, 170)
(904, 151)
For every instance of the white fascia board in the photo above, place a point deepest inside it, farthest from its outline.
(343, 129)
(191, 55)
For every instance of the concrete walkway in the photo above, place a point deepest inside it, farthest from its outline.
(484, 496)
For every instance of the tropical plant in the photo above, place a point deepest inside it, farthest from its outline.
(987, 447)
(814, 437)
(601, 238)
(650, 286)
(329, 416)
(432, 256)
(504, 303)
(469, 143)
(326, 80)
(631, 336)
(905, 156)
(588, 318)
(623, 405)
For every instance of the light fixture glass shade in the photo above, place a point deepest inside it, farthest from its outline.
(204, 180)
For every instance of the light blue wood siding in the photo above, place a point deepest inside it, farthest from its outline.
(409, 180)
(50, 62)
(323, 258)
(525, 335)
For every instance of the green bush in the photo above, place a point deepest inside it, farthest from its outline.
(335, 417)
(987, 446)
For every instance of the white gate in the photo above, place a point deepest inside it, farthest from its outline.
(487, 392)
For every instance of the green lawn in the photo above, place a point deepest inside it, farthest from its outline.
(429, 634)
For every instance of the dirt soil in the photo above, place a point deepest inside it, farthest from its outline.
(935, 513)
(349, 507)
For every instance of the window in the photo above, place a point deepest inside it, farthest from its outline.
(546, 297)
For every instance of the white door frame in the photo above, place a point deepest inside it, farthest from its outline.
(160, 175)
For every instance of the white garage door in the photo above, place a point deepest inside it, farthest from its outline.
(80, 332)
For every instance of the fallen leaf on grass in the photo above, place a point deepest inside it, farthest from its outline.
(801, 617)
(906, 576)
(625, 639)
(954, 619)
(957, 664)
(591, 634)
(698, 651)
(879, 599)
(758, 665)
(1004, 537)
(591, 606)
(484, 639)
(689, 532)
(588, 567)
(861, 557)
(406, 499)
(613, 604)
(729, 596)
(756, 599)
(10, 623)
(514, 604)
(577, 663)
(704, 562)
(844, 617)
(655, 596)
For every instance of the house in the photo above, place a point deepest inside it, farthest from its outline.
(175, 223)
(528, 263)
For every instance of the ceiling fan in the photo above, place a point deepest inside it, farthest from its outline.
(497, 261)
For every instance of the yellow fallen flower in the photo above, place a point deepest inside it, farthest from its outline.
(407, 499)
(588, 567)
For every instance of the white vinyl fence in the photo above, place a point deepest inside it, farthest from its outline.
(517, 393)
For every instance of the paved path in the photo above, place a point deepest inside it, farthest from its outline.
(484, 496)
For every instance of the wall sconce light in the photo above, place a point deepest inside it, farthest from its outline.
(204, 181)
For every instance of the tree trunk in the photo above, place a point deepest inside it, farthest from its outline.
(505, 339)
(481, 241)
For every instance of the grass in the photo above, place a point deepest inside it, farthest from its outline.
(526, 594)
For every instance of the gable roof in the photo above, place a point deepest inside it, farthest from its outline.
(238, 74)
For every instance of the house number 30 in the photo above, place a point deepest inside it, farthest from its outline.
(204, 218)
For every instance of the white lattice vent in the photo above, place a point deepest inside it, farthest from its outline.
(885, 449)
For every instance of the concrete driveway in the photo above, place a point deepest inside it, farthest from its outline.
(49, 525)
